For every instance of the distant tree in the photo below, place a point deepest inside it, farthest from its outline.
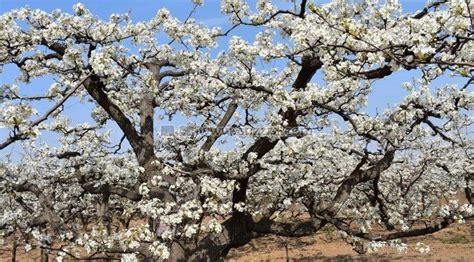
(289, 140)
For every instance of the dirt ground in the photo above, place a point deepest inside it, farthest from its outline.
(455, 243)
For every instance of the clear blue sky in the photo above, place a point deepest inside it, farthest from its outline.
(387, 91)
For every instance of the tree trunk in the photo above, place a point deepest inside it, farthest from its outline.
(214, 247)
(44, 255)
(14, 248)
(177, 253)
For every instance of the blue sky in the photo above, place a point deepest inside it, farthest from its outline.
(386, 91)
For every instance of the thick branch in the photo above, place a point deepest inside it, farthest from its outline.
(219, 130)
(359, 176)
(390, 236)
(295, 229)
(48, 209)
(147, 127)
(95, 88)
(107, 189)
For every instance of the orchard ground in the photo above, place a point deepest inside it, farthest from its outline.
(455, 243)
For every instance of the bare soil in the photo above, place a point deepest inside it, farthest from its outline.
(455, 243)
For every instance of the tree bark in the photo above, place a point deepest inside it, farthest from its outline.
(44, 255)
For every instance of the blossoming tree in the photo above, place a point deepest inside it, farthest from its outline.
(301, 144)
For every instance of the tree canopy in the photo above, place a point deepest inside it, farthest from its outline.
(273, 124)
